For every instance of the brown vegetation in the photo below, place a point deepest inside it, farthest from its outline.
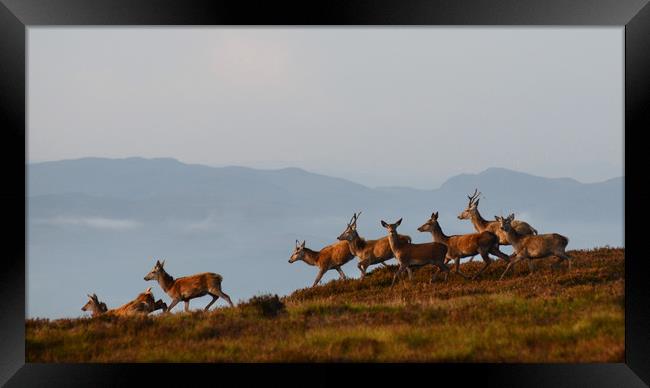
(551, 316)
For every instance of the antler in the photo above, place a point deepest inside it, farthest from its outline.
(472, 197)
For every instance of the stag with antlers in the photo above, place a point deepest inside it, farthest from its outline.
(369, 252)
(481, 224)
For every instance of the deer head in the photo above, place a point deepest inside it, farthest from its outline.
(298, 252)
(94, 305)
(156, 271)
(392, 228)
(428, 226)
(350, 232)
(505, 223)
(472, 206)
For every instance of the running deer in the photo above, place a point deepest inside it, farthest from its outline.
(460, 246)
(188, 287)
(533, 247)
(481, 224)
(409, 255)
(369, 252)
(331, 257)
(144, 304)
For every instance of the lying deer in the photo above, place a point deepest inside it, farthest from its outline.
(369, 252)
(411, 255)
(481, 224)
(144, 304)
(95, 306)
(533, 247)
(460, 246)
(331, 257)
(188, 287)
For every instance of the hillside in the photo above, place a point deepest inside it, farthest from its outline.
(550, 316)
(113, 216)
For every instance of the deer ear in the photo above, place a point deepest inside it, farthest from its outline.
(384, 224)
(476, 203)
(148, 291)
(162, 264)
(436, 214)
(90, 296)
(433, 215)
(398, 222)
(303, 244)
(497, 218)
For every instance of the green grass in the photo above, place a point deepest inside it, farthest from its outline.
(550, 316)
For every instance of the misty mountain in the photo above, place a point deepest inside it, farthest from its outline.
(95, 216)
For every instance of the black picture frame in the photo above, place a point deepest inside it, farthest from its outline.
(17, 15)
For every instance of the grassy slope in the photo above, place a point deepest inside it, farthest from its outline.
(551, 316)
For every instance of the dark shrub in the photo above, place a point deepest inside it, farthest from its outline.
(267, 305)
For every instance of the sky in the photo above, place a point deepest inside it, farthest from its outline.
(379, 106)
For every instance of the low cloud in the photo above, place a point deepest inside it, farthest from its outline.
(91, 222)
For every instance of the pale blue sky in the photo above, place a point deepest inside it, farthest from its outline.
(380, 106)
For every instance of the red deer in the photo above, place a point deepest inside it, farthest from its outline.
(411, 255)
(142, 304)
(481, 224)
(331, 257)
(460, 246)
(95, 306)
(369, 252)
(533, 247)
(188, 287)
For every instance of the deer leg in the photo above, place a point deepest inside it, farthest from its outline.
(340, 271)
(531, 267)
(321, 272)
(497, 252)
(399, 271)
(487, 260)
(512, 262)
(458, 268)
(214, 298)
(410, 272)
(187, 306)
(566, 257)
(172, 304)
(443, 267)
(362, 269)
(226, 297)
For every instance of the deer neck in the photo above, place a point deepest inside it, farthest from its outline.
(310, 257)
(97, 311)
(513, 237)
(394, 241)
(438, 235)
(165, 280)
(356, 244)
(478, 221)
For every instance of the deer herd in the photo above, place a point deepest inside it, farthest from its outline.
(490, 235)
(527, 245)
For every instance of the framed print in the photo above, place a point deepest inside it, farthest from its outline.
(271, 192)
